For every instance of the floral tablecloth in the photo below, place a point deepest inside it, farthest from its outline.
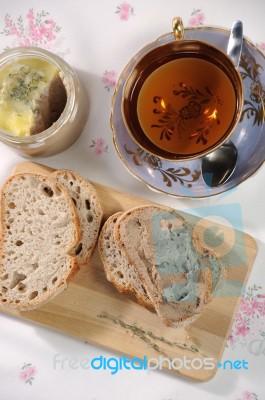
(97, 39)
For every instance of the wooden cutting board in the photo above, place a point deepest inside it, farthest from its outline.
(92, 310)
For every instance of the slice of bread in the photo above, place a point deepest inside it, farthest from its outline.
(88, 207)
(117, 267)
(159, 244)
(39, 230)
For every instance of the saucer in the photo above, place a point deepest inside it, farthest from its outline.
(184, 179)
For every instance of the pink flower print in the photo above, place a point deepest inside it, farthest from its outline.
(109, 79)
(240, 317)
(192, 22)
(262, 309)
(11, 29)
(249, 326)
(30, 15)
(26, 42)
(33, 30)
(27, 373)
(198, 18)
(124, 10)
(249, 308)
(48, 30)
(244, 304)
(241, 330)
(246, 395)
(255, 305)
(125, 7)
(15, 32)
(124, 16)
(99, 146)
(231, 340)
(8, 21)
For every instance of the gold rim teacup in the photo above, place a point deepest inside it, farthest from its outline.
(183, 99)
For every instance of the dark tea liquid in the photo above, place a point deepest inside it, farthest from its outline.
(186, 105)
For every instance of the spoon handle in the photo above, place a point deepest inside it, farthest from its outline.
(235, 42)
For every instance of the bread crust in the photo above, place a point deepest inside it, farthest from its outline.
(93, 193)
(129, 288)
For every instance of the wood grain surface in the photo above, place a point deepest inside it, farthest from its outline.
(92, 310)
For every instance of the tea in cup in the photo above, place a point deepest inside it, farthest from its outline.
(182, 99)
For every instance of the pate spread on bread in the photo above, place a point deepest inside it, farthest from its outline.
(178, 279)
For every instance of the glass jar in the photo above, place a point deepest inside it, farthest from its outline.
(68, 127)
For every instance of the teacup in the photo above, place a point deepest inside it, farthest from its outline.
(183, 99)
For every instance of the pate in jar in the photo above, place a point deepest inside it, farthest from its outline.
(43, 105)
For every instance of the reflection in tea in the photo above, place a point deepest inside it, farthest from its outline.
(186, 105)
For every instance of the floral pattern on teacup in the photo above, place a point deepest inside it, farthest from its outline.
(251, 70)
(249, 326)
(171, 176)
(35, 29)
(125, 11)
(27, 373)
(197, 18)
